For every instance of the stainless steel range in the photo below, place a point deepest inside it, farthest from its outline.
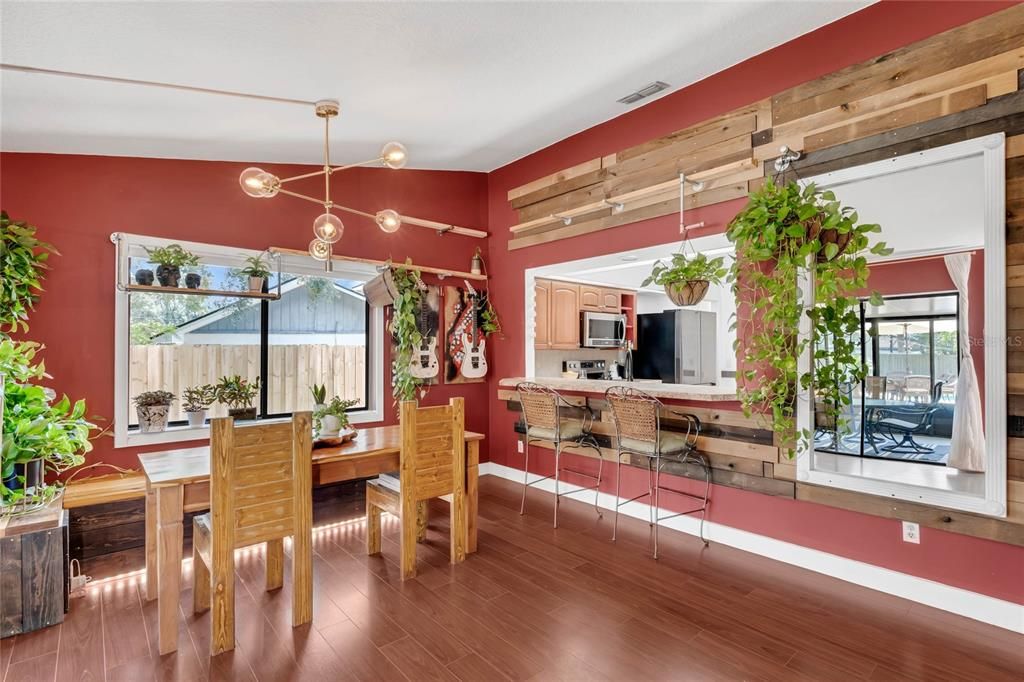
(587, 369)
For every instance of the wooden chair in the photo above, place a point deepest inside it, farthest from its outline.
(433, 464)
(261, 490)
(874, 387)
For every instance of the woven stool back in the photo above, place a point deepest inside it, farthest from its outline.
(636, 414)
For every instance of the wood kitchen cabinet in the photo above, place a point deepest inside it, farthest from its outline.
(542, 308)
(611, 300)
(591, 297)
(565, 315)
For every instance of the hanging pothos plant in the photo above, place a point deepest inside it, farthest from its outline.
(783, 230)
(406, 332)
(22, 267)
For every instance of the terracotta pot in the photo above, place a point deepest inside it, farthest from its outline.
(152, 418)
(830, 236)
(168, 275)
(687, 293)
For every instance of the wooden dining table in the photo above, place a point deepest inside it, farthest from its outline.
(178, 481)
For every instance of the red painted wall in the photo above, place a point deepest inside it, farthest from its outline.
(978, 565)
(77, 201)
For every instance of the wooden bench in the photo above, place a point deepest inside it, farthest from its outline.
(84, 492)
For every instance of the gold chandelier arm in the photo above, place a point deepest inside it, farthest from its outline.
(301, 196)
(354, 211)
(327, 159)
(301, 177)
(335, 169)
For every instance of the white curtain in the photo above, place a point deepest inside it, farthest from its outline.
(967, 449)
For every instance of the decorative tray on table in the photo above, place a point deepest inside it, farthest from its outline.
(333, 441)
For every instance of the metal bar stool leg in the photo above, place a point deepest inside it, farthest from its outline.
(558, 452)
(707, 492)
(618, 477)
(597, 489)
(654, 502)
(526, 474)
(650, 491)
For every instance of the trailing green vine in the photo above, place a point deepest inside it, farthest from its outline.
(23, 263)
(406, 332)
(785, 231)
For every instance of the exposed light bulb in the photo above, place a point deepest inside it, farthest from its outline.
(258, 183)
(328, 227)
(388, 220)
(319, 250)
(393, 155)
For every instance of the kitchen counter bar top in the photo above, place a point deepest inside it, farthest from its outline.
(658, 390)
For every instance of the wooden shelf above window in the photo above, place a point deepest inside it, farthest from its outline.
(149, 289)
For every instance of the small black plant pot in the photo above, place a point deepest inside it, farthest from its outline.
(243, 413)
(33, 473)
(193, 280)
(168, 275)
(144, 277)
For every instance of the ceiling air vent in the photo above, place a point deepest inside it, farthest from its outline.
(644, 92)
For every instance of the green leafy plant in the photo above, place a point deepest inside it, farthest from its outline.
(319, 392)
(237, 393)
(783, 232)
(688, 269)
(153, 399)
(198, 398)
(23, 262)
(172, 256)
(336, 408)
(34, 426)
(256, 266)
(490, 323)
(406, 332)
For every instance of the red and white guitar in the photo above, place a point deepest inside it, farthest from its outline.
(474, 361)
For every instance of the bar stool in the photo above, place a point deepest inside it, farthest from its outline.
(544, 423)
(637, 417)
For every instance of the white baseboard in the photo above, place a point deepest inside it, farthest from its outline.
(1003, 614)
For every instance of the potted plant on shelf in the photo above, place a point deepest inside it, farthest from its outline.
(687, 279)
(783, 232)
(169, 260)
(144, 276)
(238, 395)
(257, 270)
(193, 280)
(39, 434)
(331, 420)
(24, 264)
(153, 408)
(196, 400)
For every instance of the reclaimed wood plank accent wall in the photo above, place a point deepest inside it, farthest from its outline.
(964, 83)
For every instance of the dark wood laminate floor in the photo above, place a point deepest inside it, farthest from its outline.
(533, 603)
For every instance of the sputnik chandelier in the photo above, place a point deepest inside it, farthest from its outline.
(327, 227)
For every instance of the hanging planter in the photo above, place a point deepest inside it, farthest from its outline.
(687, 279)
(381, 291)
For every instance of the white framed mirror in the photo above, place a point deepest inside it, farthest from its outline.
(928, 424)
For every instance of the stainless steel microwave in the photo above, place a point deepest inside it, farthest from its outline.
(602, 330)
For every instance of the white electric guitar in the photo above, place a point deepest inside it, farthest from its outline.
(474, 361)
(424, 363)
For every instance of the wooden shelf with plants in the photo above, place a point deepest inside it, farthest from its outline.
(153, 289)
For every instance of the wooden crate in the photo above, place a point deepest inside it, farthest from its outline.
(33, 570)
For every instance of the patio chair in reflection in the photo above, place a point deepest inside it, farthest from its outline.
(918, 388)
(900, 424)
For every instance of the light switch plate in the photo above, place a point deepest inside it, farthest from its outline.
(911, 532)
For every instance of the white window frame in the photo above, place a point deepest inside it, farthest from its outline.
(131, 245)
(993, 502)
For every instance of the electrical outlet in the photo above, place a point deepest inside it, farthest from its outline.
(911, 532)
(519, 446)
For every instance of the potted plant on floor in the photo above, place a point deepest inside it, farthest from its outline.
(257, 270)
(153, 408)
(686, 279)
(169, 260)
(238, 395)
(331, 420)
(196, 400)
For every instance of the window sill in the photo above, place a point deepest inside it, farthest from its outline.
(182, 434)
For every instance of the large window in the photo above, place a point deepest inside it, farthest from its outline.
(320, 331)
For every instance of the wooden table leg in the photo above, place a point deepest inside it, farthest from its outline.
(168, 556)
(472, 492)
(422, 520)
(152, 575)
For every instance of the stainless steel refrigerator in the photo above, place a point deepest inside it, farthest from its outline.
(677, 347)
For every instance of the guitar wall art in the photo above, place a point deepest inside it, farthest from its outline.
(425, 364)
(465, 358)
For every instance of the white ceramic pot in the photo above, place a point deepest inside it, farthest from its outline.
(256, 284)
(330, 426)
(196, 418)
(152, 418)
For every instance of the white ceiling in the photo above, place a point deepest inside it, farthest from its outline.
(465, 85)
